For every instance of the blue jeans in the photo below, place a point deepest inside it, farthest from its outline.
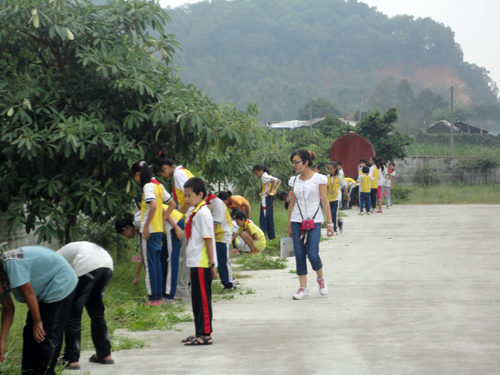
(364, 198)
(266, 220)
(334, 207)
(310, 249)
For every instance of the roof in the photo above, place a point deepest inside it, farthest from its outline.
(442, 126)
(293, 124)
(468, 128)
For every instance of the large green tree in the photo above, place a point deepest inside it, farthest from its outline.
(83, 95)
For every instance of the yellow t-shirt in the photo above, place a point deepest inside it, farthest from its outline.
(332, 186)
(252, 228)
(374, 183)
(153, 192)
(366, 183)
(350, 180)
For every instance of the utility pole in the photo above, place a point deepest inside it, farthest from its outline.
(452, 127)
(480, 121)
(360, 104)
(310, 112)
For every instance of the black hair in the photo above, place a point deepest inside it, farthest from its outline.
(283, 195)
(240, 215)
(259, 167)
(142, 166)
(126, 221)
(315, 166)
(377, 162)
(4, 278)
(334, 164)
(339, 163)
(198, 186)
(366, 169)
(392, 163)
(161, 160)
(363, 161)
(304, 155)
(233, 212)
(223, 195)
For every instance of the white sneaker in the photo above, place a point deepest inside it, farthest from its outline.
(335, 233)
(302, 293)
(323, 288)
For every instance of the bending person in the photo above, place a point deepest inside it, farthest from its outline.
(249, 232)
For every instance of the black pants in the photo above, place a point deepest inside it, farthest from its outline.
(201, 298)
(88, 294)
(41, 358)
(373, 197)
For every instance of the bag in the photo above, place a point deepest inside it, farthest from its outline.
(309, 223)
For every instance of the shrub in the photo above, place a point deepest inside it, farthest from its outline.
(428, 175)
(400, 193)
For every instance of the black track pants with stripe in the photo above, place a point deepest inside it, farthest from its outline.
(201, 297)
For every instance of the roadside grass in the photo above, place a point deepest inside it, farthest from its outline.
(455, 194)
(419, 149)
(261, 261)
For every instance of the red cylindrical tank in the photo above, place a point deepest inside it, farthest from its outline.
(349, 149)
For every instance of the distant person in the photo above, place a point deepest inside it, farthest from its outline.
(269, 186)
(45, 281)
(374, 171)
(364, 183)
(305, 218)
(235, 201)
(351, 188)
(285, 197)
(94, 268)
(250, 233)
(334, 187)
(343, 187)
(315, 168)
(388, 183)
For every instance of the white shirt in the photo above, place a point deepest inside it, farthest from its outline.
(202, 227)
(266, 180)
(219, 209)
(308, 197)
(149, 196)
(388, 177)
(85, 257)
(342, 185)
(381, 176)
(179, 180)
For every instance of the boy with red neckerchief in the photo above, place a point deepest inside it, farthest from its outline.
(201, 260)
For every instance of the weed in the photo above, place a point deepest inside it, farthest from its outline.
(293, 271)
(261, 261)
(121, 343)
(456, 194)
(248, 291)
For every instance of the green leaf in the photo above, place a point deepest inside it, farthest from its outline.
(11, 112)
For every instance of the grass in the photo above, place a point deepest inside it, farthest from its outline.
(418, 149)
(261, 261)
(455, 194)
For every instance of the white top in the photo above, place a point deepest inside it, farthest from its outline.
(85, 257)
(137, 220)
(342, 185)
(179, 180)
(202, 227)
(388, 177)
(219, 209)
(266, 180)
(370, 173)
(149, 196)
(308, 197)
(381, 176)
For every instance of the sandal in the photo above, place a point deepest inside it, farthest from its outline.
(94, 359)
(189, 338)
(196, 341)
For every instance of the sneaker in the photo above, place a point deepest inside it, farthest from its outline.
(302, 293)
(230, 288)
(368, 213)
(379, 211)
(335, 233)
(323, 289)
(361, 213)
(341, 228)
(388, 207)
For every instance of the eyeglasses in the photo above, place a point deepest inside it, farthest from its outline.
(294, 163)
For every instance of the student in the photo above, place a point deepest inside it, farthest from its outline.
(129, 226)
(374, 172)
(344, 187)
(165, 167)
(379, 183)
(237, 241)
(364, 183)
(94, 268)
(223, 233)
(201, 260)
(285, 197)
(387, 184)
(154, 194)
(315, 168)
(305, 208)
(351, 188)
(234, 201)
(269, 187)
(43, 280)
(171, 248)
(334, 190)
(250, 233)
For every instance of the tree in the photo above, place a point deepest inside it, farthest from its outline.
(460, 113)
(82, 97)
(426, 103)
(379, 130)
(320, 108)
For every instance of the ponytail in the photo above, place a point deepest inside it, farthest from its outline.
(142, 166)
(259, 167)
(161, 160)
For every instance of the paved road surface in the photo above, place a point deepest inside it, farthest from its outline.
(414, 290)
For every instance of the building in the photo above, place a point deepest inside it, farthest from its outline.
(443, 126)
(293, 124)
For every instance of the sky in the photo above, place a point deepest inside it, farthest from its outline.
(475, 23)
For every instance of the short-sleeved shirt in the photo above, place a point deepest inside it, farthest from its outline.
(381, 176)
(237, 202)
(374, 172)
(388, 176)
(308, 196)
(253, 229)
(85, 257)
(266, 184)
(181, 175)
(153, 192)
(202, 228)
(350, 182)
(175, 215)
(222, 221)
(50, 275)
(364, 181)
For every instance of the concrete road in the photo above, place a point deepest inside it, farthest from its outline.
(414, 290)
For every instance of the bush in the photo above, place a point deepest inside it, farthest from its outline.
(428, 175)
(400, 194)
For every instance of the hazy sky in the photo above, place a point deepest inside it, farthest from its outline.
(475, 23)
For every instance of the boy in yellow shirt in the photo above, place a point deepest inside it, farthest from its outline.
(364, 181)
(250, 233)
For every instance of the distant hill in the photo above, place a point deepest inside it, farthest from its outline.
(274, 51)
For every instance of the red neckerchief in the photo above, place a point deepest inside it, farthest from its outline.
(390, 171)
(175, 194)
(229, 202)
(189, 225)
(210, 197)
(154, 181)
